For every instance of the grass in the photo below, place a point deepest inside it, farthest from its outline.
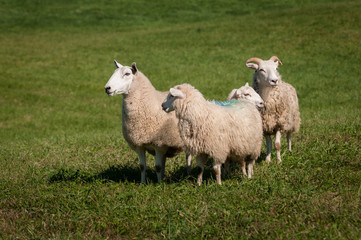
(66, 171)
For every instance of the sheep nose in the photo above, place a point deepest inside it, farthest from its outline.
(163, 106)
(274, 81)
(107, 89)
(260, 106)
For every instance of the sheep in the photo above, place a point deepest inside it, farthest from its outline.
(247, 93)
(244, 93)
(281, 112)
(232, 133)
(145, 126)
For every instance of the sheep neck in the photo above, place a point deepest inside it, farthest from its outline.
(141, 96)
(263, 89)
(190, 112)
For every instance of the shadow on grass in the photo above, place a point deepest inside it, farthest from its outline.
(181, 174)
(118, 173)
(113, 173)
(127, 174)
(261, 158)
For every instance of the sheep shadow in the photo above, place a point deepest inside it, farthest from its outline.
(131, 174)
(115, 173)
(208, 174)
(181, 175)
(261, 159)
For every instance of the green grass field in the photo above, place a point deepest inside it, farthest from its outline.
(67, 173)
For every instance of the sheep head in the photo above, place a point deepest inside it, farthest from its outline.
(174, 93)
(267, 70)
(247, 93)
(122, 78)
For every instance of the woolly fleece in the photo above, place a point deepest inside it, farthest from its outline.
(144, 123)
(212, 131)
(281, 111)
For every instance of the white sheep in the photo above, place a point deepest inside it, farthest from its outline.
(281, 112)
(145, 126)
(247, 93)
(244, 93)
(232, 133)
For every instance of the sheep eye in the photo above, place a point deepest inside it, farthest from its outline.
(127, 74)
(247, 95)
(262, 70)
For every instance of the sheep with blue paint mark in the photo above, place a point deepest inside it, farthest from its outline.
(246, 93)
(224, 133)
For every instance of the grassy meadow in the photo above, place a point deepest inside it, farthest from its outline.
(67, 173)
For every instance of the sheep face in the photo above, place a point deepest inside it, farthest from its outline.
(121, 80)
(267, 71)
(174, 93)
(248, 93)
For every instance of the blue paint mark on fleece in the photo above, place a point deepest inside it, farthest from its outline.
(226, 103)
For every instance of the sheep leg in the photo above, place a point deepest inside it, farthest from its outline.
(289, 141)
(189, 162)
(250, 168)
(200, 170)
(217, 171)
(159, 164)
(269, 148)
(243, 165)
(278, 146)
(200, 174)
(143, 164)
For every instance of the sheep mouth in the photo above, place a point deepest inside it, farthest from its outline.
(259, 107)
(273, 83)
(107, 91)
(166, 109)
(111, 93)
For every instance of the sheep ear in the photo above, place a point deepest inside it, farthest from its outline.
(246, 84)
(177, 93)
(134, 68)
(232, 94)
(252, 66)
(117, 65)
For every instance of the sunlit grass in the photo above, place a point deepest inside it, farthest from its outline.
(67, 172)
